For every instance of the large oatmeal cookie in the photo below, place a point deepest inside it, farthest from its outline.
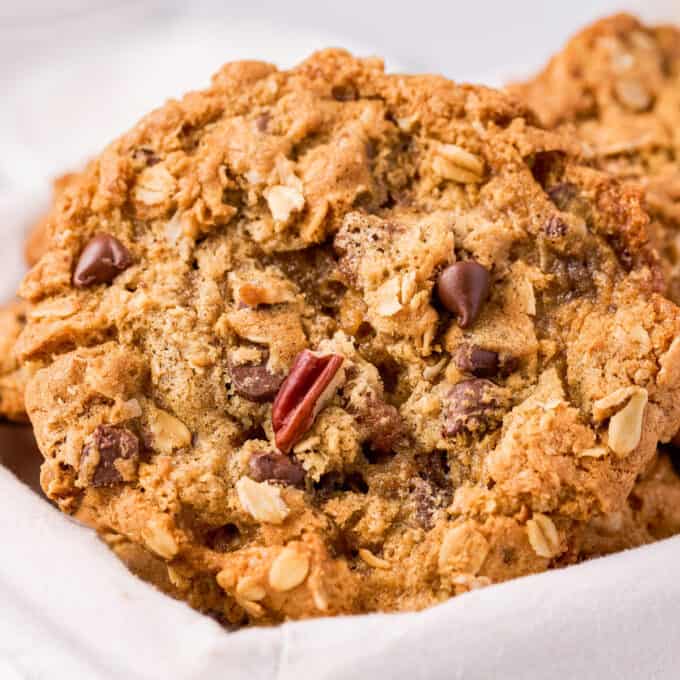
(331, 340)
(617, 83)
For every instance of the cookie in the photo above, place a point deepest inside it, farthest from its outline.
(651, 513)
(13, 377)
(330, 341)
(617, 84)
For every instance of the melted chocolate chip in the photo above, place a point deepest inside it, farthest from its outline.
(255, 382)
(463, 288)
(482, 363)
(102, 259)
(112, 443)
(473, 407)
(276, 467)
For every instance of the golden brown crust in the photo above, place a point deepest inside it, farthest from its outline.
(651, 513)
(294, 225)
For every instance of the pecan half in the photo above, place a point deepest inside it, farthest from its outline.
(311, 383)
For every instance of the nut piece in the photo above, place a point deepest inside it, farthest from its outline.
(289, 569)
(255, 382)
(102, 259)
(168, 433)
(283, 201)
(311, 383)
(158, 537)
(543, 535)
(463, 549)
(262, 501)
(625, 428)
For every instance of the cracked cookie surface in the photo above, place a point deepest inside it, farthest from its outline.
(333, 341)
(617, 84)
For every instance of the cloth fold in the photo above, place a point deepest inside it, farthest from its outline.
(70, 609)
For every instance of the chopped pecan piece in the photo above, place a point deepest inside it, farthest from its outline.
(311, 383)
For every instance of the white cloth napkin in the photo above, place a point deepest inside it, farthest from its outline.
(68, 608)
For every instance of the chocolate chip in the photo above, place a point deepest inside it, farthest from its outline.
(555, 227)
(432, 489)
(112, 443)
(345, 93)
(482, 363)
(232, 197)
(255, 382)
(463, 288)
(262, 121)
(102, 259)
(276, 467)
(472, 406)
(381, 425)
